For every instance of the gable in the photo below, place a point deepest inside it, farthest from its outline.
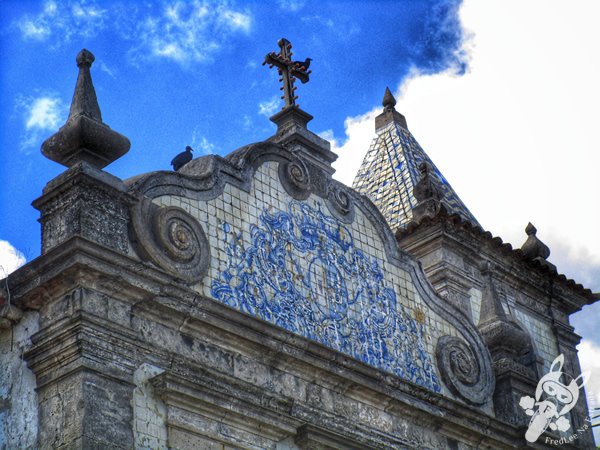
(268, 234)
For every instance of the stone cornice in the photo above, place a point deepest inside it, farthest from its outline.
(574, 296)
(313, 361)
(86, 341)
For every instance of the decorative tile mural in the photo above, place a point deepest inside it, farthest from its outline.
(300, 269)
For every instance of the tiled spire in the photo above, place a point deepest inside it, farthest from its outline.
(390, 170)
(84, 137)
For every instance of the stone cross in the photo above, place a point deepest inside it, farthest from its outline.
(288, 70)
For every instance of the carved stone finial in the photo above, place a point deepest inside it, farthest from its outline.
(84, 99)
(533, 248)
(509, 346)
(426, 188)
(84, 137)
(530, 229)
(500, 334)
(389, 114)
(428, 194)
(85, 58)
(491, 306)
(292, 130)
(388, 100)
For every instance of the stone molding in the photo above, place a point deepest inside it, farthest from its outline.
(511, 261)
(262, 345)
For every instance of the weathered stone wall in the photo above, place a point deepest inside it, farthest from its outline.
(18, 397)
(149, 412)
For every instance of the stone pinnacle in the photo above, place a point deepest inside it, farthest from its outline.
(84, 137)
(84, 98)
(388, 100)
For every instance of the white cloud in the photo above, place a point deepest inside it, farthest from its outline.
(63, 22)
(50, 8)
(589, 359)
(206, 147)
(41, 115)
(187, 32)
(291, 5)
(516, 135)
(268, 107)
(201, 143)
(235, 19)
(104, 68)
(44, 113)
(182, 31)
(10, 259)
(359, 132)
(247, 122)
(34, 30)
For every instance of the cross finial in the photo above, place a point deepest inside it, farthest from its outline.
(288, 70)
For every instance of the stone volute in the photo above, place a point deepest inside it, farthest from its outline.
(84, 137)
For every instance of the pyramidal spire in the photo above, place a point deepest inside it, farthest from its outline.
(84, 137)
(391, 170)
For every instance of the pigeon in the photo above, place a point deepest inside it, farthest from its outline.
(303, 65)
(182, 159)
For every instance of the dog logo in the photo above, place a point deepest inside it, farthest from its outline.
(553, 399)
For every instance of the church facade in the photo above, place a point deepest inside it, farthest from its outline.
(251, 301)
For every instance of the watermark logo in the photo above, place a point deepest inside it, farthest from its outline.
(553, 400)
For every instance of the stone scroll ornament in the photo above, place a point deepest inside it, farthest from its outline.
(295, 178)
(340, 203)
(462, 370)
(172, 239)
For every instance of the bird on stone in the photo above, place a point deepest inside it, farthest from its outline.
(303, 65)
(182, 159)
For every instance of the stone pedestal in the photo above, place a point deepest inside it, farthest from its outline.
(87, 202)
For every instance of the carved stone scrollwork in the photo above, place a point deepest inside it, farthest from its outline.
(171, 239)
(340, 203)
(295, 178)
(461, 370)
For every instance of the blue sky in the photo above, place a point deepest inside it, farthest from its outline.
(169, 74)
(503, 96)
